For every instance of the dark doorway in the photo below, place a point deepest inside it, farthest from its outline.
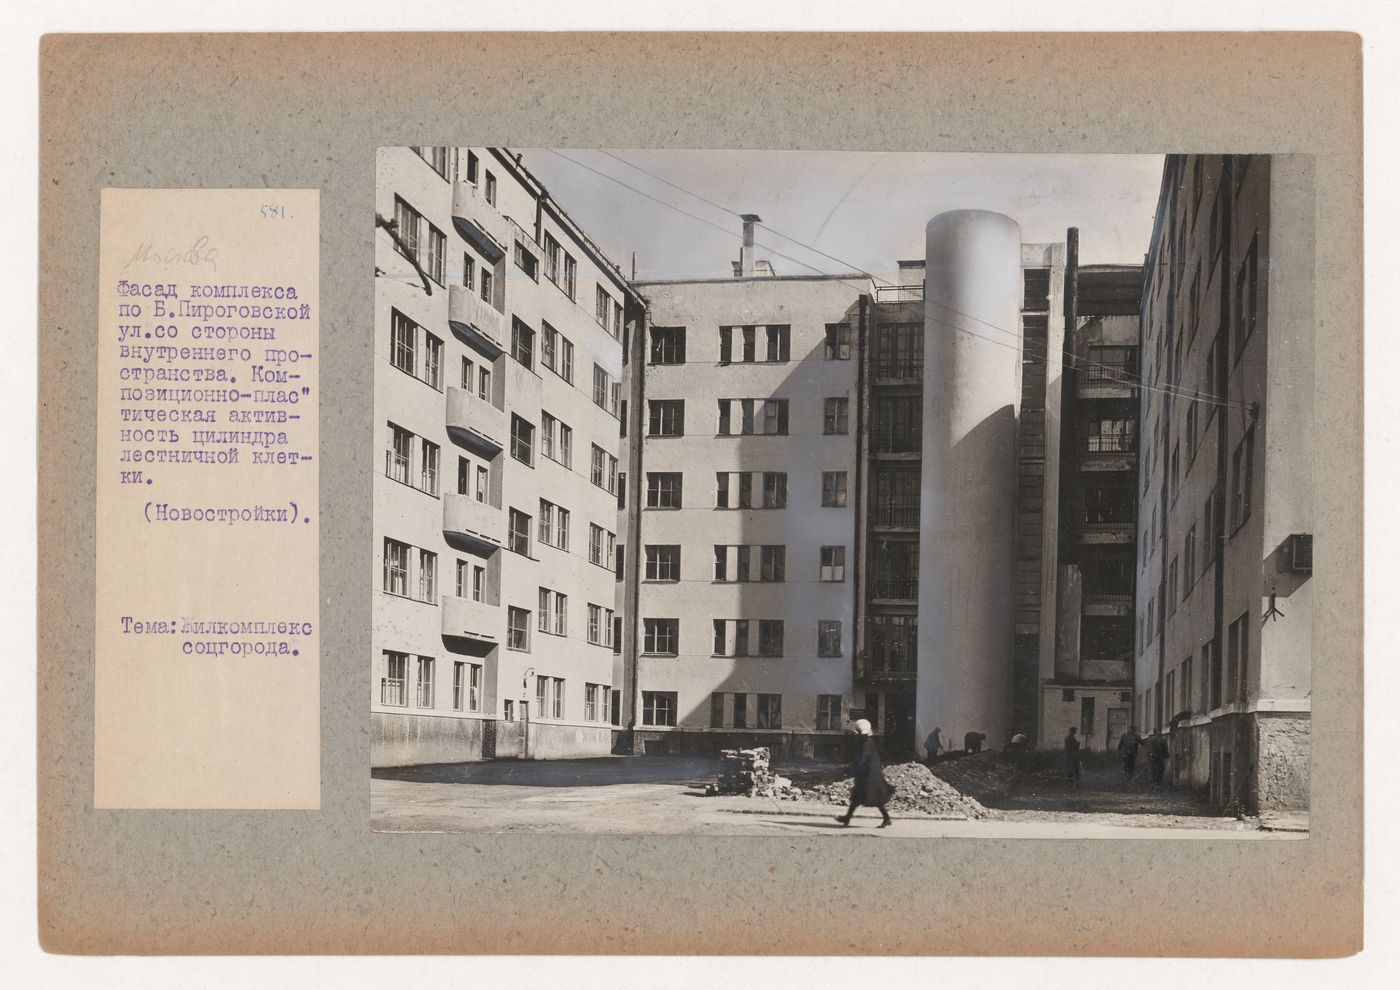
(899, 727)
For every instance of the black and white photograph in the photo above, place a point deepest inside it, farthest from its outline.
(791, 493)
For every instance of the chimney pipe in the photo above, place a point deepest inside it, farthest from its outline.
(746, 250)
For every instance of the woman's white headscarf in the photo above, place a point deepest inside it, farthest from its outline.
(863, 727)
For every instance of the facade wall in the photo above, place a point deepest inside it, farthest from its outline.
(470, 423)
(694, 597)
(1228, 317)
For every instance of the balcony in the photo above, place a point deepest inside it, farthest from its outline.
(894, 589)
(900, 513)
(1109, 452)
(478, 222)
(475, 322)
(1108, 379)
(474, 423)
(887, 669)
(473, 526)
(1096, 603)
(1107, 532)
(470, 625)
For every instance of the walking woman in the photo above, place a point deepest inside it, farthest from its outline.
(869, 787)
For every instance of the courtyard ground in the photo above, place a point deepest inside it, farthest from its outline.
(664, 795)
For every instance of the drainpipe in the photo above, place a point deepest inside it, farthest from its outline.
(632, 586)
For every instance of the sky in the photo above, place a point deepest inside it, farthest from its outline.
(678, 210)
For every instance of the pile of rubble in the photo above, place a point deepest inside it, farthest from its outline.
(746, 771)
(915, 789)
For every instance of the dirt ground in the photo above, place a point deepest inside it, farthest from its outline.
(665, 796)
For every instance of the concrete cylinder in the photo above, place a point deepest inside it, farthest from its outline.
(972, 389)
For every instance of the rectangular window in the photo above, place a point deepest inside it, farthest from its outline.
(898, 425)
(403, 339)
(483, 390)
(558, 697)
(522, 440)
(396, 567)
(427, 576)
(666, 418)
(664, 489)
(668, 345)
(828, 638)
(551, 258)
(519, 532)
(565, 449)
(522, 343)
(1242, 478)
(717, 710)
(661, 636)
(595, 627)
(838, 342)
(490, 188)
(602, 306)
(731, 637)
(1247, 295)
(833, 489)
(407, 222)
(468, 272)
(600, 387)
(425, 682)
(828, 712)
(770, 711)
(436, 265)
(518, 628)
(471, 167)
(483, 484)
(459, 685)
(591, 705)
(741, 711)
(659, 708)
(1171, 587)
(663, 562)
(775, 489)
(835, 415)
(541, 696)
(393, 689)
(833, 564)
(778, 337)
(570, 275)
(549, 347)
(566, 359)
(400, 454)
(1186, 683)
(548, 430)
(1188, 559)
(478, 583)
(899, 351)
(770, 637)
(488, 282)
(775, 417)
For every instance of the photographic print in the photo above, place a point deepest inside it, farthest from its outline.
(914, 495)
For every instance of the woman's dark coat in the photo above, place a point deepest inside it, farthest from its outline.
(869, 787)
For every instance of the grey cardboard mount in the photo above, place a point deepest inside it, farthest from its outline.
(308, 111)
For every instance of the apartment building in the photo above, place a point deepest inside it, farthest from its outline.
(1225, 513)
(741, 586)
(500, 330)
(1087, 679)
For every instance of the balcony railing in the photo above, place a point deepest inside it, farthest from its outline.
(1110, 445)
(897, 513)
(905, 440)
(393, 691)
(1109, 374)
(890, 667)
(474, 321)
(1107, 529)
(475, 423)
(467, 520)
(894, 588)
(465, 618)
(899, 368)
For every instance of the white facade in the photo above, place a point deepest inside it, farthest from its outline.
(482, 594)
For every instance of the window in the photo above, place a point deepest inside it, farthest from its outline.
(659, 708)
(1192, 430)
(436, 266)
(666, 418)
(468, 272)
(1171, 587)
(508, 710)
(661, 637)
(427, 576)
(828, 711)
(1242, 481)
(566, 445)
(548, 430)
(463, 579)
(898, 425)
(566, 359)
(403, 338)
(425, 682)
(600, 387)
(471, 167)
(775, 417)
(838, 342)
(663, 562)
(553, 612)
(833, 566)
(407, 222)
(519, 532)
(899, 351)
(437, 158)
(735, 491)
(466, 686)
(468, 375)
(772, 563)
(770, 711)
(554, 525)
(541, 696)
(557, 697)
(551, 258)
(490, 188)
(483, 483)
(775, 489)
(717, 710)
(1208, 530)
(603, 470)
(522, 343)
(778, 343)
(1186, 683)
(668, 345)
(558, 353)
(601, 545)
(595, 624)
(602, 306)
(833, 489)
(731, 637)
(1175, 470)
(834, 416)
(393, 689)
(396, 567)
(570, 275)
(522, 440)
(478, 583)
(488, 281)
(484, 387)
(549, 351)
(828, 638)
(517, 628)
(595, 702)
(740, 569)
(399, 455)
(1188, 559)
(428, 469)
(770, 637)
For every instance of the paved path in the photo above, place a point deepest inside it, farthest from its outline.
(663, 796)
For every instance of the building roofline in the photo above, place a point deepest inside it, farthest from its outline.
(732, 280)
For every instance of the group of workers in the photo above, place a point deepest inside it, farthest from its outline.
(1158, 752)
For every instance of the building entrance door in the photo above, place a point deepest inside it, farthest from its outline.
(899, 727)
(1117, 725)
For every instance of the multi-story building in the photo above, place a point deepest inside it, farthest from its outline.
(742, 528)
(499, 339)
(1225, 516)
(1086, 680)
